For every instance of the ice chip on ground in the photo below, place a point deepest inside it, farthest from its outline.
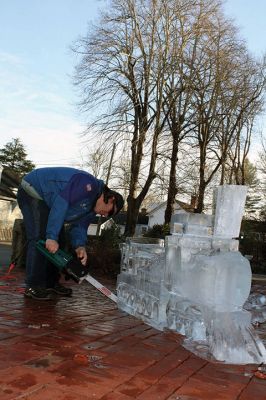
(256, 304)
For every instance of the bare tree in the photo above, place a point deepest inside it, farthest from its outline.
(189, 28)
(96, 161)
(161, 74)
(228, 93)
(262, 162)
(123, 64)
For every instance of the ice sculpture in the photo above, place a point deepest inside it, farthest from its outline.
(197, 282)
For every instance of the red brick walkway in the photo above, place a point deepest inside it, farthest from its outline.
(84, 348)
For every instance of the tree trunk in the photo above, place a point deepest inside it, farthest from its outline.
(202, 183)
(132, 216)
(200, 205)
(172, 191)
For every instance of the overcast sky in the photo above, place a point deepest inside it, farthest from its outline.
(37, 97)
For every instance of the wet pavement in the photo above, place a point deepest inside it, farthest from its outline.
(82, 348)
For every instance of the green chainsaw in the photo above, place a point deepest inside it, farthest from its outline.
(65, 263)
(73, 269)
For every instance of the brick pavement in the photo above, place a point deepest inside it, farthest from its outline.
(83, 348)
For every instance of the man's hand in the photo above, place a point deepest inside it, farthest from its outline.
(51, 245)
(82, 255)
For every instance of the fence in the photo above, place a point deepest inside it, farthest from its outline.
(6, 234)
(254, 245)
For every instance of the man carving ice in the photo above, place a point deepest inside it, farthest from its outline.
(48, 197)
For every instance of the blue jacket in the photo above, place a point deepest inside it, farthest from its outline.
(71, 195)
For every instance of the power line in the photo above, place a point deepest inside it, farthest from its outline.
(60, 159)
(70, 163)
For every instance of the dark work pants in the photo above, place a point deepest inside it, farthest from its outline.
(40, 272)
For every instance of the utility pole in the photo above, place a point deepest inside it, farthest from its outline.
(110, 164)
(106, 182)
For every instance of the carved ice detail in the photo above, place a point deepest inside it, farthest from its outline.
(197, 282)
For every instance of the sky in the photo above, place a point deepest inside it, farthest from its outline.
(37, 97)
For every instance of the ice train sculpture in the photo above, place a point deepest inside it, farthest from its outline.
(197, 282)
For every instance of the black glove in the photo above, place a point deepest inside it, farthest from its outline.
(75, 270)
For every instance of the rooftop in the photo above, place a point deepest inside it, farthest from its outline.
(9, 181)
